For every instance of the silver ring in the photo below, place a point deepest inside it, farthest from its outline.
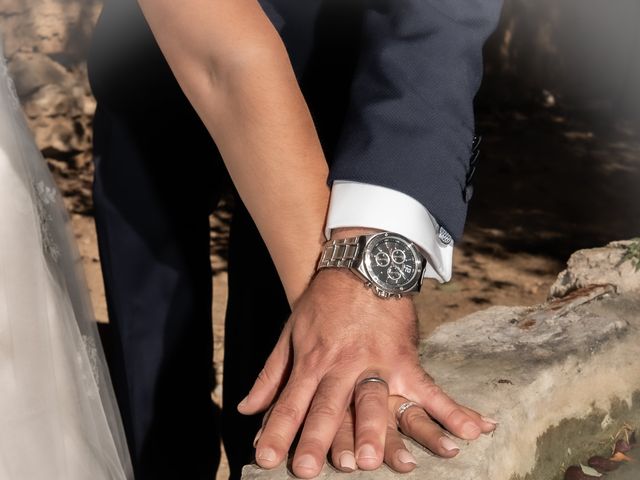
(374, 380)
(403, 408)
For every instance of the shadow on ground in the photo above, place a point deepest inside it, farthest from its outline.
(552, 181)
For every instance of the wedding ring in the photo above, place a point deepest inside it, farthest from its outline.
(374, 380)
(403, 408)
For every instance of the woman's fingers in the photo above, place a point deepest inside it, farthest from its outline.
(396, 455)
(462, 422)
(343, 446)
(371, 406)
(414, 422)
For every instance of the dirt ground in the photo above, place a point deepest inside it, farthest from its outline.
(549, 182)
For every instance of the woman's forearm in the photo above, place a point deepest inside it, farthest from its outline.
(235, 71)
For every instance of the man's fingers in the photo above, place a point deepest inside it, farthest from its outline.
(487, 425)
(370, 399)
(343, 446)
(323, 420)
(270, 379)
(454, 417)
(284, 420)
(415, 423)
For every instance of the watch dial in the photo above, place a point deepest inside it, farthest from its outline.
(392, 263)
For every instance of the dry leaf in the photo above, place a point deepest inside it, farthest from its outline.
(591, 472)
(621, 457)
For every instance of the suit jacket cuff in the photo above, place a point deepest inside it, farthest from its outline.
(355, 204)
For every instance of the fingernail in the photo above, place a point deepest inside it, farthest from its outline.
(308, 462)
(470, 429)
(266, 454)
(244, 402)
(405, 457)
(490, 420)
(255, 440)
(348, 461)
(367, 451)
(448, 444)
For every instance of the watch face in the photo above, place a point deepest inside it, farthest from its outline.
(392, 263)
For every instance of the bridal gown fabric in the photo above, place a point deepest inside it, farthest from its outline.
(58, 415)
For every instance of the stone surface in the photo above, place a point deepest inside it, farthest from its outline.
(32, 71)
(562, 377)
(598, 266)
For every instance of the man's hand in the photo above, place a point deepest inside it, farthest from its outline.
(338, 335)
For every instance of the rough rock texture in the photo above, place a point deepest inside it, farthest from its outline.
(562, 377)
(598, 266)
(45, 43)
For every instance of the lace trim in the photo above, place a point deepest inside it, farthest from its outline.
(91, 350)
(14, 101)
(46, 196)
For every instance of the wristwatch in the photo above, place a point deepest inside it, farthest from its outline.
(388, 263)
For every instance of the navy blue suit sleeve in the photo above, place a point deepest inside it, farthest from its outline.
(410, 123)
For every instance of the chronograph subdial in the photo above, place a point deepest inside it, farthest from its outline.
(393, 263)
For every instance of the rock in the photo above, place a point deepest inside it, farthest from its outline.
(31, 71)
(60, 137)
(562, 378)
(52, 27)
(598, 266)
(45, 45)
(52, 100)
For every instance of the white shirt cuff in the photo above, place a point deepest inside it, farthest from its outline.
(355, 204)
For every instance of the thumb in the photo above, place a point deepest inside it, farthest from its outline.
(271, 378)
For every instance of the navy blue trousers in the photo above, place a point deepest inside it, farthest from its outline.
(157, 178)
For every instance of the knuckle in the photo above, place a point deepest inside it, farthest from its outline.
(286, 412)
(351, 353)
(311, 445)
(325, 410)
(371, 398)
(370, 422)
(433, 391)
(346, 428)
(455, 417)
(372, 434)
(412, 417)
(313, 365)
(275, 439)
(264, 377)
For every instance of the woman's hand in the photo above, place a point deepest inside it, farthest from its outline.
(403, 416)
(338, 336)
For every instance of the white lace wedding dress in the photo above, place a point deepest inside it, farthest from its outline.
(58, 415)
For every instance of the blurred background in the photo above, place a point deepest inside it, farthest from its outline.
(559, 112)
